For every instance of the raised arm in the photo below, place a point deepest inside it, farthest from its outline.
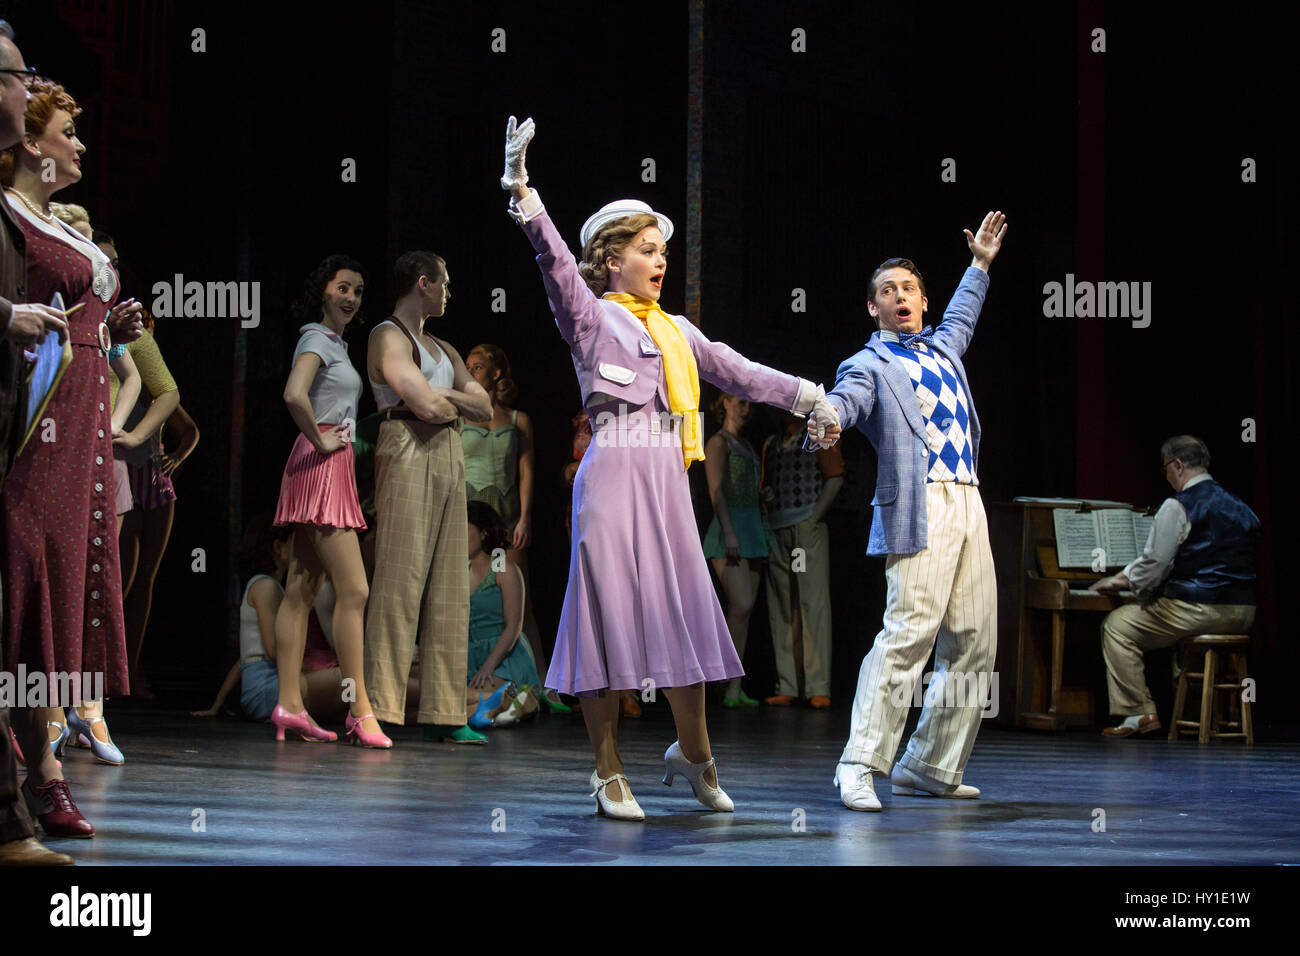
(575, 307)
(391, 357)
(964, 309)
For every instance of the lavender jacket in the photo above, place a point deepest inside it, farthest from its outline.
(614, 354)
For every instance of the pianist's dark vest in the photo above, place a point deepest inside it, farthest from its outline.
(1216, 564)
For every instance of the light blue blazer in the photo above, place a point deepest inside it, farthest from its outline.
(873, 391)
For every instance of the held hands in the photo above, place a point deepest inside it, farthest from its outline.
(984, 245)
(127, 440)
(515, 178)
(823, 423)
(30, 323)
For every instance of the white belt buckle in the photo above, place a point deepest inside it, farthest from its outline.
(105, 341)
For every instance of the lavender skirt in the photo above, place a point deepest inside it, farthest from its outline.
(640, 603)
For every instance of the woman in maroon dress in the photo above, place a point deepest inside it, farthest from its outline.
(58, 523)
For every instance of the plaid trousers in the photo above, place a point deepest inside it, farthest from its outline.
(421, 582)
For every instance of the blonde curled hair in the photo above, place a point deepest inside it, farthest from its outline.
(504, 390)
(610, 242)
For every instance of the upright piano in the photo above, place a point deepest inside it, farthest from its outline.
(1047, 552)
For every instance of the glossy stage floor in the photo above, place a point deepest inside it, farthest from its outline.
(197, 791)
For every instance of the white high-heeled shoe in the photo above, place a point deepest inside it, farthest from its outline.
(625, 809)
(712, 797)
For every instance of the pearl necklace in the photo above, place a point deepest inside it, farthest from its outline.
(47, 216)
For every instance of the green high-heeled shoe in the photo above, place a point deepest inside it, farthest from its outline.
(740, 701)
(552, 702)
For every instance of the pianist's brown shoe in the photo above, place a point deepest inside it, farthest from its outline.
(1143, 725)
(779, 700)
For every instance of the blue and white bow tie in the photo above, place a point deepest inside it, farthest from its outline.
(905, 339)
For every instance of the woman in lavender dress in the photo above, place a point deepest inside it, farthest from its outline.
(640, 611)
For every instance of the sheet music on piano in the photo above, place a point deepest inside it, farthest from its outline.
(1112, 534)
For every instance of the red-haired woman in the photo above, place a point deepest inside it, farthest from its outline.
(62, 584)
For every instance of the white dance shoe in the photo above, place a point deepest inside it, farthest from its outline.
(909, 783)
(856, 791)
(712, 797)
(625, 809)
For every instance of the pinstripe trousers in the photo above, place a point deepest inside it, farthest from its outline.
(944, 599)
(421, 583)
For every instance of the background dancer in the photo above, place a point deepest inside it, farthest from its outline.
(318, 496)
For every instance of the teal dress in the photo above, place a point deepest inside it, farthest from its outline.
(740, 488)
(487, 619)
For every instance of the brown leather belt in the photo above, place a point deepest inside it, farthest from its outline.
(399, 414)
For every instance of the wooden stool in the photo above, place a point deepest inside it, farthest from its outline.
(1235, 646)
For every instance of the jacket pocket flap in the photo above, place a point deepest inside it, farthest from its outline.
(616, 373)
(885, 494)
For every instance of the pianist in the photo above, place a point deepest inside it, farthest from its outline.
(1196, 575)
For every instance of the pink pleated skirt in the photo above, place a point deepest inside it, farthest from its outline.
(319, 489)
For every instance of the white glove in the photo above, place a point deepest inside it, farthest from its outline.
(517, 139)
(824, 416)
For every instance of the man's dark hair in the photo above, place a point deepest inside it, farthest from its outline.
(1190, 451)
(888, 264)
(99, 237)
(411, 265)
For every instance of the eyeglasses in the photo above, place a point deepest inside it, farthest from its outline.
(1164, 468)
(26, 77)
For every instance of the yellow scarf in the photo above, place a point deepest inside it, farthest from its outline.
(680, 370)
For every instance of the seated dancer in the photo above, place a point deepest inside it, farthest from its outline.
(907, 392)
(266, 560)
(502, 679)
(1196, 574)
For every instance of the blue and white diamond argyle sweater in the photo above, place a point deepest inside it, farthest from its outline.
(943, 407)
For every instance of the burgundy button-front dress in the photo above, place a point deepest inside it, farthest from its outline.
(58, 523)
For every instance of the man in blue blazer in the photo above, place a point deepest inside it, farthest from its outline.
(907, 392)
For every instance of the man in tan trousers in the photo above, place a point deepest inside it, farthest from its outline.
(1198, 565)
(421, 582)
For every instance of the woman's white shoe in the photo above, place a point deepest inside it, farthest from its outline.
(712, 797)
(625, 809)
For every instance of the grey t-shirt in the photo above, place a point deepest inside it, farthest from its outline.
(336, 388)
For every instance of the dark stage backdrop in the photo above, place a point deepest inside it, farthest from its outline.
(814, 165)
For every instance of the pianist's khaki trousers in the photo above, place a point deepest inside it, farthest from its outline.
(421, 583)
(1130, 631)
(943, 599)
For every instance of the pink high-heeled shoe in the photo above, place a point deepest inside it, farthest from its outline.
(352, 728)
(301, 724)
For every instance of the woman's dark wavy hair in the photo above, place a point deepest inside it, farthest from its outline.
(307, 308)
(255, 552)
(484, 517)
